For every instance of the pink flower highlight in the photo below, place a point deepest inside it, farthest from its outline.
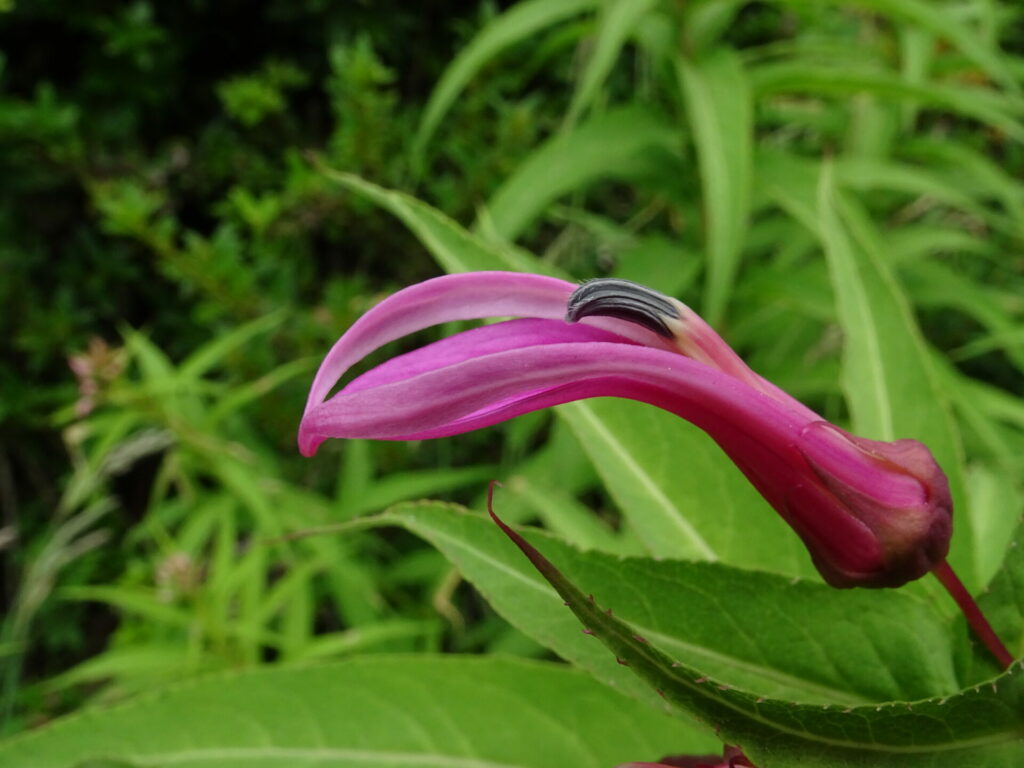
(871, 513)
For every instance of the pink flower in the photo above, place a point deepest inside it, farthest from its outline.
(871, 513)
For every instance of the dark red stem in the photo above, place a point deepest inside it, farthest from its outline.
(945, 574)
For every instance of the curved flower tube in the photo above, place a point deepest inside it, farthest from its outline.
(871, 513)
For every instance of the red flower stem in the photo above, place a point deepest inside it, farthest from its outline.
(944, 573)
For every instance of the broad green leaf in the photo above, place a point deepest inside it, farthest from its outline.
(615, 23)
(776, 636)
(890, 385)
(630, 143)
(720, 111)
(391, 712)
(982, 726)
(989, 436)
(521, 22)
(681, 494)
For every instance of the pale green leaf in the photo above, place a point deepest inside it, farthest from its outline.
(946, 25)
(628, 143)
(719, 108)
(981, 104)
(217, 349)
(615, 23)
(386, 712)
(681, 494)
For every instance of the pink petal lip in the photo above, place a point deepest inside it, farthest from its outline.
(872, 514)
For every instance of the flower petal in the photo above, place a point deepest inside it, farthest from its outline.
(468, 296)
(478, 342)
(487, 389)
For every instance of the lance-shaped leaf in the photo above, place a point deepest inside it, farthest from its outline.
(387, 712)
(720, 111)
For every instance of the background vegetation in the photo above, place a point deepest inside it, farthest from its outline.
(180, 244)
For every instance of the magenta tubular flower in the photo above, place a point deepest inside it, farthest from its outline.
(871, 513)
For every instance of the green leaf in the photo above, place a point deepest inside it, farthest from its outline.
(131, 601)
(411, 484)
(981, 174)
(720, 110)
(946, 25)
(1003, 602)
(141, 664)
(521, 22)
(244, 394)
(934, 283)
(361, 639)
(983, 726)
(391, 712)
(863, 174)
(890, 385)
(986, 106)
(455, 249)
(615, 23)
(996, 502)
(630, 143)
(546, 485)
(214, 351)
(776, 636)
(681, 494)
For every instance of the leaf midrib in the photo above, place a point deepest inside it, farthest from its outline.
(316, 754)
(630, 465)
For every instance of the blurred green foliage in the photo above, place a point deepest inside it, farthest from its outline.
(155, 178)
(165, 228)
